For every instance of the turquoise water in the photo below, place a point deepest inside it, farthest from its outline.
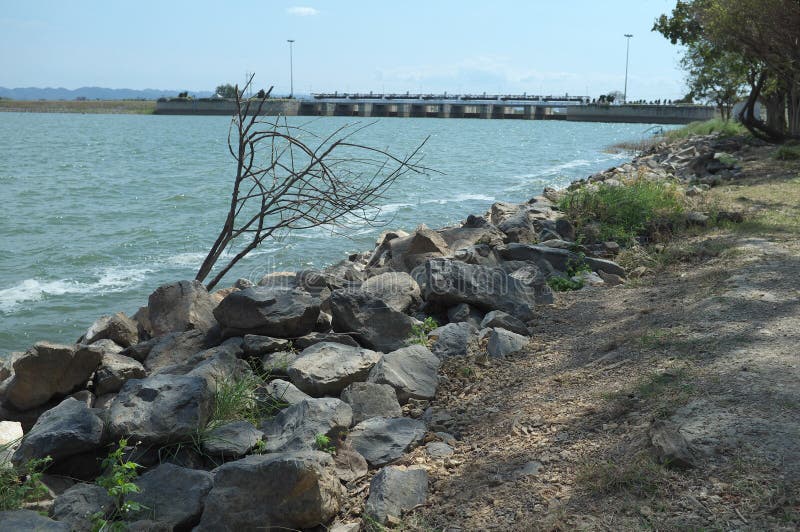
(101, 209)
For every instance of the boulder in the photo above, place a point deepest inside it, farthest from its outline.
(560, 259)
(476, 230)
(180, 306)
(503, 343)
(23, 520)
(275, 491)
(285, 392)
(172, 495)
(565, 228)
(394, 490)
(518, 228)
(409, 252)
(317, 337)
(371, 321)
(534, 282)
(350, 465)
(411, 371)
(327, 368)
(297, 427)
(368, 399)
(383, 440)
(78, 504)
(114, 370)
(269, 311)
(452, 282)
(48, 370)
(397, 289)
(160, 409)
(216, 365)
(452, 340)
(255, 345)
(67, 429)
(175, 348)
(119, 328)
(466, 313)
(605, 266)
(231, 440)
(498, 318)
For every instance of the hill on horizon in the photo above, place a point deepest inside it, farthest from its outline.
(92, 93)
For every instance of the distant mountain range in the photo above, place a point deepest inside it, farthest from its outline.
(92, 93)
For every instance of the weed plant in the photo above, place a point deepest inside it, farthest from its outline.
(21, 484)
(725, 128)
(640, 207)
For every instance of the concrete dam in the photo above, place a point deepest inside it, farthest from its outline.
(443, 106)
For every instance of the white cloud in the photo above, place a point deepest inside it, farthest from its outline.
(300, 11)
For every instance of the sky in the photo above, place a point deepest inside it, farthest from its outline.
(495, 46)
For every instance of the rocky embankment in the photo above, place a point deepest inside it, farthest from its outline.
(340, 366)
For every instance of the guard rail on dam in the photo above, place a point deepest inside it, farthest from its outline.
(430, 106)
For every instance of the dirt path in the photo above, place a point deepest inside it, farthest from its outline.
(557, 438)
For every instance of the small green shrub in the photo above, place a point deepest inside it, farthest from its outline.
(118, 482)
(323, 443)
(562, 284)
(638, 208)
(728, 128)
(788, 152)
(419, 333)
(22, 484)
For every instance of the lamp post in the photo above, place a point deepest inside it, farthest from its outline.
(291, 69)
(627, 54)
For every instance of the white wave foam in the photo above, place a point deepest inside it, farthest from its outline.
(186, 259)
(460, 198)
(389, 208)
(108, 280)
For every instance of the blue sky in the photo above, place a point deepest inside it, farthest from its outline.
(496, 46)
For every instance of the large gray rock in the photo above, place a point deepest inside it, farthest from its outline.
(605, 266)
(411, 371)
(498, 318)
(368, 399)
(319, 337)
(274, 491)
(172, 495)
(503, 343)
(534, 281)
(175, 348)
(180, 306)
(452, 282)
(160, 409)
(327, 368)
(406, 253)
(118, 328)
(67, 429)
(24, 520)
(394, 490)
(452, 340)
(78, 504)
(269, 311)
(375, 324)
(560, 259)
(114, 370)
(296, 428)
(255, 345)
(397, 289)
(285, 392)
(465, 313)
(47, 370)
(383, 440)
(231, 440)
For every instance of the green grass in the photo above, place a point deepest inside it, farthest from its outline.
(788, 152)
(74, 106)
(562, 284)
(241, 399)
(638, 208)
(715, 125)
(419, 333)
(22, 484)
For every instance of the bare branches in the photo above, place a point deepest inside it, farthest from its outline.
(284, 184)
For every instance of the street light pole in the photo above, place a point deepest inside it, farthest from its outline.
(291, 69)
(627, 54)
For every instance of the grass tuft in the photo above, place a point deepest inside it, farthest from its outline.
(728, 128)
(639, 475)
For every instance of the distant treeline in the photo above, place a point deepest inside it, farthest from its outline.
(91, 93)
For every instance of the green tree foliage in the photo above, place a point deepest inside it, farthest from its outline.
(226, 91)
(733, 42)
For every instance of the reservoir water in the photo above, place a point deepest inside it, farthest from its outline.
(98, 210)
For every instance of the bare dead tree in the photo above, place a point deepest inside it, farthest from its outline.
(283, 184)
